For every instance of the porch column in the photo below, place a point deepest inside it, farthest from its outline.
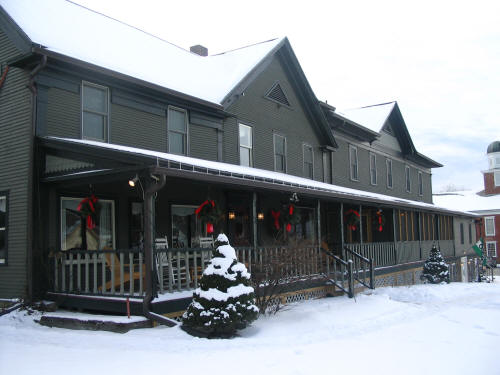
(254, 219)
(319, 222)
(419, 233)
(342, 227)
(394, 234)
(361, 224)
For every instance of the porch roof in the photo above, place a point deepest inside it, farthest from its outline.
(219, 172)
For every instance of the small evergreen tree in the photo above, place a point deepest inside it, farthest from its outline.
(435, 269)
(224, 302)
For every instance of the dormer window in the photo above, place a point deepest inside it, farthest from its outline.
(95, 112)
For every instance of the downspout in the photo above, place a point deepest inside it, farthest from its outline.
(151, 189)
(30, 232)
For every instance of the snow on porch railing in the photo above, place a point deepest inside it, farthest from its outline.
(105, 272)
(181, 269)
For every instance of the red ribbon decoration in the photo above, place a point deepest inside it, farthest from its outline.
(210, 228)
(379, 219)
(288, 227)
(198, 210)
(91, 201)
(276, 216)
(290, 209)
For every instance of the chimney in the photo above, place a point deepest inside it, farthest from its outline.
(199, 50)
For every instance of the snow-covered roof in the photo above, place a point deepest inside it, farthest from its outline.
(275, 177)
(75, 31)
(372, 117)
(468, 201)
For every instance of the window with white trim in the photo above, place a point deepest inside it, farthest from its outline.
(373, 168)
(353, 162)
(388, 165)
(496, 177)
(95, 112)
(491, 249)
(279, 142)
(407, 179)
(420, 183)
(246, 145)
(325, 166)
(489, 225)
(99, 237)
(308, 158)
(3, 228)
(177, 131)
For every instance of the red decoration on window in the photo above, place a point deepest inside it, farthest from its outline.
(352, 219)
(288, 227)
(209, 214)
(88, 207)
(276, 217)
(290, 209)
(210, 228)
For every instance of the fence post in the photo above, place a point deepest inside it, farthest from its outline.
(350, 279)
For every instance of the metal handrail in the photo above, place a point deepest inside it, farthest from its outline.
(361, 265)
(341, 269)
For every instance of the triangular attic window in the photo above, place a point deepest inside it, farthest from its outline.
(388, 128)
(277, 94)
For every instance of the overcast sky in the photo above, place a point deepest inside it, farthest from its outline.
(440, 60)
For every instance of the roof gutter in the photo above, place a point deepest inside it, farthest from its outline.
(153, 185)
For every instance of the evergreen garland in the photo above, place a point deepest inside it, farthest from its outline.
(352, 219)
(435, 269)
(224, 302)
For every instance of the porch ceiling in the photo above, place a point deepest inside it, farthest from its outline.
(170, 165)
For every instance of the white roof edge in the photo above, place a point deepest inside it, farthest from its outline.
(261, 173)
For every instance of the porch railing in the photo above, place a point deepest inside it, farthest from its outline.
(339, 272)
(382, 253)
(106, 272)
(363, 270)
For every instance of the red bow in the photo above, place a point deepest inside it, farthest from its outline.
(91, 201)
(198, 210)
(288, 227)
(290, 210)
(210, 228)
(276, 216)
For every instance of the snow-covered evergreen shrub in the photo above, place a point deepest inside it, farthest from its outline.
(224, 302)
(435, 269)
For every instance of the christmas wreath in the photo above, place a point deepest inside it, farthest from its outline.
(89, 207)
(379, 220)
(352, 218)
(209, 213)
(287, 216)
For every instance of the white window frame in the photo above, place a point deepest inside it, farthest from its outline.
(249, 148)
(420, 181)
(407, 179)
(390, 176)
(113, 212)
(356, 163)
(104, 114)
(496, 178)
(324, 156)
(285, 164)
(373, 168)
(492, 219)
(4, 196)
(308, 146)
(494, 243)
(185, 135)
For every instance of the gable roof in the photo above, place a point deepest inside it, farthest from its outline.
(68, 29)
(376, 117)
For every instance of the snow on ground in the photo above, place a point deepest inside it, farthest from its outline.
(425, 329)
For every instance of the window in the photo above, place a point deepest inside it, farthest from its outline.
(407, 178)
(136, 224)
(177, 131)
(102, 236)
(353, 162)
(489, 225)
(491, 249)
(308, 161)
(3, 228)
(246, 145)
(279, 153)
(497, 178)
(388, 165)
(373, 169)
(95, 111)
(186, 227)
(462, 233)
(420, 183)
(325, 167)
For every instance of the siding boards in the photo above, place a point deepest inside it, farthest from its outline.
(135, 128)
(63, 113)
(203, 142)
(15, 148)
(290, 122)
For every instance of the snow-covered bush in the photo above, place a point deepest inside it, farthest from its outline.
(224, 302)
(435, 269)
